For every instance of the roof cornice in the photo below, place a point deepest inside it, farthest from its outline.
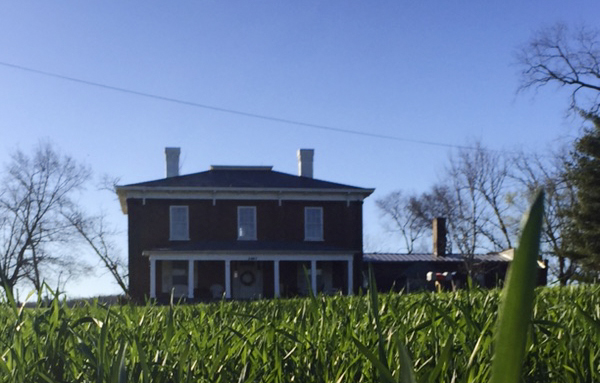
(240, 193)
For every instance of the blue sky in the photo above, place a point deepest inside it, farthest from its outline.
(435, 71)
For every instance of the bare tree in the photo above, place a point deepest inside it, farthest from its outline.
(480, 219)
(532, 172)
(567, 58)
(404, 213)
(438, 202)
(34, 192)
(494, 187)
(473, 198)
(464, 175)
(98, 234)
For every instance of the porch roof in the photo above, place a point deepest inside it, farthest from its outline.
(252, 246)
(395, 257)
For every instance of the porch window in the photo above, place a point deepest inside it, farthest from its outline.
(247, 223)
(313, 223)
(179, 223)
(174, 277)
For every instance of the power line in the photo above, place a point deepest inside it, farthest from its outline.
(232, 111)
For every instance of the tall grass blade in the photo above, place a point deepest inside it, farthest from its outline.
(594, 323)
(375, 312)
(139, 348)
(118, 370)
(442, 362)
(384, 372)
(380, 363)
(517, 302)
(407, 374)
(8, 294)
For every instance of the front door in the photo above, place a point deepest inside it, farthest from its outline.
(247, 281)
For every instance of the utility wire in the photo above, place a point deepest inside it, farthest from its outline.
(233, 111)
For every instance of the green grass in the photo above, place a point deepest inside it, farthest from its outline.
(447, 336)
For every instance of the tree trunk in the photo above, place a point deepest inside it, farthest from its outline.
(563, 278)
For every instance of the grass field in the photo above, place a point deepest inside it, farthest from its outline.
(449, 337)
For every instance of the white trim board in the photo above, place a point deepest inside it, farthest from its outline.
(214, 194)
(242, 257)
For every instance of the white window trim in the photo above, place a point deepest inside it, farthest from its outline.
(306, 231)
(245, 237)
(173, 236)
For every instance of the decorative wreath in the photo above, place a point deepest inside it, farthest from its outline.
(247, 278)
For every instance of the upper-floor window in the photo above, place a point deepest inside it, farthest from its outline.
(179, 223)
(313, 223)
(247, 222)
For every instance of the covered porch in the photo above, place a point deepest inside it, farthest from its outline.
(242, 276)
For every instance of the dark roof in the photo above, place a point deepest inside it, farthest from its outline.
(242, 177)
(393, 257)
(244, 246)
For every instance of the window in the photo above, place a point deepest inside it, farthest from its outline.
(247, 223)
(313, 224)
(179, 228)
(174, 277)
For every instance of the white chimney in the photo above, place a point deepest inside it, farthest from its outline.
(172, 157)
(305, 162)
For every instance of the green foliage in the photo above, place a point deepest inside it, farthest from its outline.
(584, 234)
(444, 337)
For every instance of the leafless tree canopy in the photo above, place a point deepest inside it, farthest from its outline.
(34, 192)
(479, 216)
(477, 178)
(471, 195)
(569, 58)
(41, 222)
(532, 172)
(483, 195)
(404, 214)
(97, 234)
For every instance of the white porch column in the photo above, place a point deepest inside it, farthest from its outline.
(228, 279)
(350, 275)
(313, 276)
(152, 278)
(276, 277)
(191, 279)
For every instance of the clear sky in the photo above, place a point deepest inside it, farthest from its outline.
(435, 71)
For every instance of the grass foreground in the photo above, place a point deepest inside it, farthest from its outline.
(448, 338)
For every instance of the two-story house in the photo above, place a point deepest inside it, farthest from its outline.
(243, 232)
